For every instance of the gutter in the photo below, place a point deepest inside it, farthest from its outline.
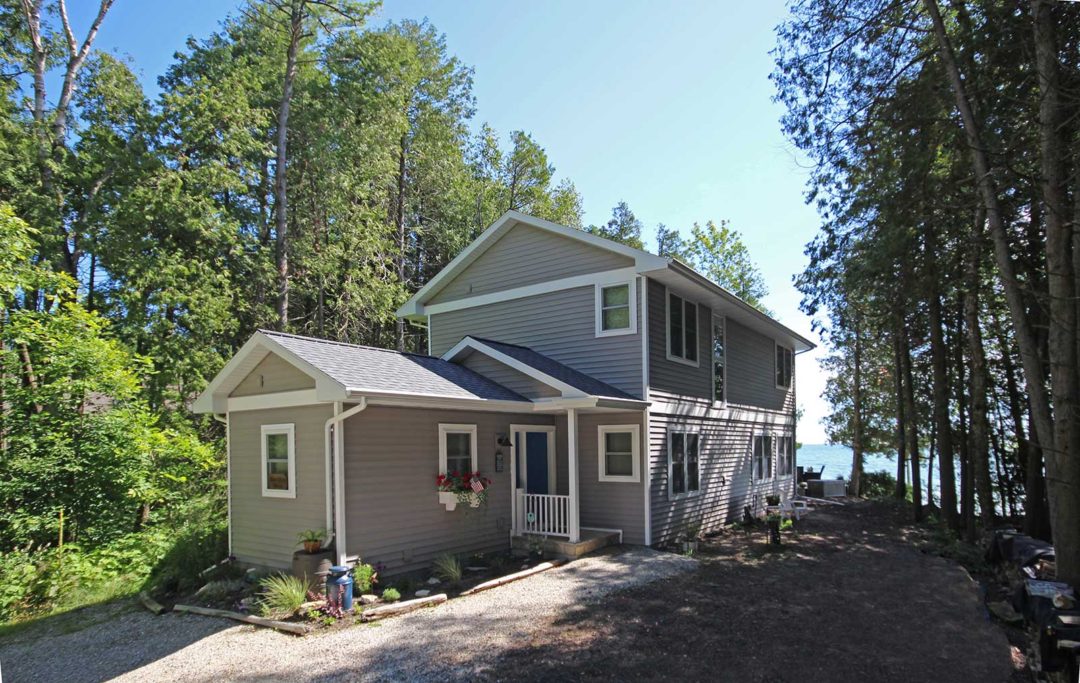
(335, 467)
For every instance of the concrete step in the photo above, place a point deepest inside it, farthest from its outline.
(559, 546)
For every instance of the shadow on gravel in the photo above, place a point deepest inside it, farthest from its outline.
(98, 643)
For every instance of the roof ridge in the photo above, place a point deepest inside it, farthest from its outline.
(275, 333)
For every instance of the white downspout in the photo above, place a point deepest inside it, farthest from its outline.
(335, 480)
(228, 478)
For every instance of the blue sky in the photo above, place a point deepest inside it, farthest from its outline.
(666, 106)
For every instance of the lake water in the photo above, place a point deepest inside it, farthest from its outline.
(837, 462)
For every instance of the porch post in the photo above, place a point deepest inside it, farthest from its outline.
(571, 453)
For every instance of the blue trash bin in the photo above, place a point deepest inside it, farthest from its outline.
(340, 582)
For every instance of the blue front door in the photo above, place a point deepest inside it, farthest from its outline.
(536, 462)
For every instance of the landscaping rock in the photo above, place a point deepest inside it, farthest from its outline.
(433, 581)
(368, 599)
(422, 593)
(475, 569)
(1005, 612)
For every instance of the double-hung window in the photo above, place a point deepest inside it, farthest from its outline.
(682, 323)
(785, 455)
(457, 449)
(684, 477)
(785, 366)
(279, 461)
(620, 453)
(615, 309)
(763, 457)
(719, 358)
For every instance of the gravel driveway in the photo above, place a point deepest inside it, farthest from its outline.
(452, 642)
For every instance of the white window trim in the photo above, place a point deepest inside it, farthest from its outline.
(777, 440)
(671, 464)
(667, 329)
(791, 374)
(600, 287)
(635, 449)
(771, 456)
(288, 430)
(445, 429)
(723, 401)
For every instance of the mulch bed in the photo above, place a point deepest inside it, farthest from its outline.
(853, 595)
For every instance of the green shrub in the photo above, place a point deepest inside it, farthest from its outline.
(391, 595)
(364, 577)
(878, 484)
(197, 547)
(447, 567)
(282, 595)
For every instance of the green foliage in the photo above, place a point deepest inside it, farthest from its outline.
(391, 594)
(718, 253)
(311, 536)
(624, 227)
(364, 578)
(447, 567)
(878, 485)
(281, 595)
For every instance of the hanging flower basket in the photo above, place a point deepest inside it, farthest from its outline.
(468, 488)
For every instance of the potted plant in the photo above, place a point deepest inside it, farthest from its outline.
(773, 522)
(690, 537)
(772, 499)
(462, 487)
(312, 540)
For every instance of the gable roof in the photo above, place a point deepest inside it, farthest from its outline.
(341, 369)
(667, 271)
(562, 377)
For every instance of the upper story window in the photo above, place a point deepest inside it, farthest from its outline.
(683, 458)
(785, 366)
(719, 358)
(616, 312)
(279, 461)
(457, 448)
(682, 323)
(620, 453)
(763, 457)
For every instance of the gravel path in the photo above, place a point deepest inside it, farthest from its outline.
(452, 642)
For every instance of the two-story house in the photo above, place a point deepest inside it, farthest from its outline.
(606, 392)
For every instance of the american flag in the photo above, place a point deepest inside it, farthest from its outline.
(477, 485)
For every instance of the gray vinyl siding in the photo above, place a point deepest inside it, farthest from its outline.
(264, 529)
(508, 377)
(725, 469)
(610, 504)
(271, 375)
(560, 325)
(672, 376)
(524, 256)
(751, 371)
(393, 515)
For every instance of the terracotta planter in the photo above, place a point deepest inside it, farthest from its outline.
(312, 547)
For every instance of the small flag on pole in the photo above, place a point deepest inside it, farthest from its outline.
(477, 486)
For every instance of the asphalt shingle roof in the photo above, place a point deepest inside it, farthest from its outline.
(553, 368)
(369, 368)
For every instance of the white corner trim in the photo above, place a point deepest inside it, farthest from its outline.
(445, 429)
(632, 304)
(279, 399)
(289, 430)
(567, 390)
(667, 329)
(603, 277)
(635, 450)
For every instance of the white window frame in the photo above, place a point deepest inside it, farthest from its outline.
(778, 440)
(722, 400)
(289, 430)
(770, 455)
(697, 332)
(635, 449)
(685, 431)
(791, 368)
(631, 284)
(445, 429)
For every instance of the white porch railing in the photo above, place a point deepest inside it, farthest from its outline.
(544, 514)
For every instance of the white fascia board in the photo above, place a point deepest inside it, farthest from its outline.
(469, 343)
(606, 277)
(280, 399)
(414, 308)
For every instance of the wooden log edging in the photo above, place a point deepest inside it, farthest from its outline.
(152, 604)
(288, 627)
(397, 608)
(509, 578)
